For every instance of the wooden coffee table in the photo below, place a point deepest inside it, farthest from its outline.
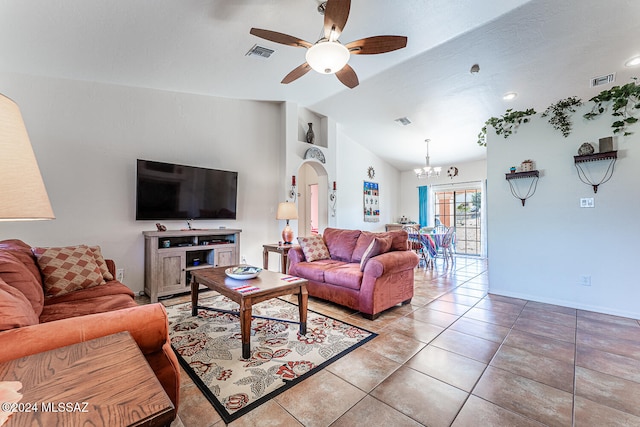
(268, 285)
(104, 381)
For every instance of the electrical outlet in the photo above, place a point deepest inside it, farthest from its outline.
(585, 280)
(120, 274)
(243, 259)
(587, 202)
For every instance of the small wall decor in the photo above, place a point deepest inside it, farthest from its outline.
(583, 162)
(526, 166)
(310, 136)
(371, 199)
(585, 149)
(452, 171)
(531, 175)
(605, 144)
(315, 153)
(371, 172)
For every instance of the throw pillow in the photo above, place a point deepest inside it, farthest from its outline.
(67, 269)
(314, 248)
(97, 254)
(378, 245)
(15, 309)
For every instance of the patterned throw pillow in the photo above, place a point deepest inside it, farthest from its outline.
(67, 269)
(314, 248)
(378, 245)
(97, 254)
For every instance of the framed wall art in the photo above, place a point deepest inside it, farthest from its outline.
(371, 199)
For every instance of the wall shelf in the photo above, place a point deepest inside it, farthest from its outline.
(532, 175)
(581, 163)
(596, 157)
(518, 175)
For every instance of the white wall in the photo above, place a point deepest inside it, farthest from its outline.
(87, 138)
(353, 160)
(539, 251)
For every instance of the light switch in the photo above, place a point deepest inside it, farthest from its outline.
(587, 202)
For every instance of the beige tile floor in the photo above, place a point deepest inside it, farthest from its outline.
(457, 356)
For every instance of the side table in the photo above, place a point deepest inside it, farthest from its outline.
(283, 250)
(104, 381)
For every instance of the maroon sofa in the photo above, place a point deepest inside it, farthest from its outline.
(385, 281)
(31, 323)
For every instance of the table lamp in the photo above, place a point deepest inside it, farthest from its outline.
(287, 211)
(22, 192)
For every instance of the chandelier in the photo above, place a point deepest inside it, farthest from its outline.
(427, 171)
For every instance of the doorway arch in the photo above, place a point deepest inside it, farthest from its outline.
(313, 185)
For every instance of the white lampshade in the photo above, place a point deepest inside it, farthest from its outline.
(327, 57)
(22, 192)
(287, 211)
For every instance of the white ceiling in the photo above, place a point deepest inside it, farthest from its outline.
(544, 50)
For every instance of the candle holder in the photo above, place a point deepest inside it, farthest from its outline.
(292, 193)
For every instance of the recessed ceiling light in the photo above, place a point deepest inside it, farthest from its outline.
(632, 62)
(509, 96)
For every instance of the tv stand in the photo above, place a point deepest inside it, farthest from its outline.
(170, 256)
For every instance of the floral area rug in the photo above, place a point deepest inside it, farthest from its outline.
(209, 348)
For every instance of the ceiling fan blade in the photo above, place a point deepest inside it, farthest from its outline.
(296, 73)
(376, 44)
(348, 77)
(335, 18)
(281, 38)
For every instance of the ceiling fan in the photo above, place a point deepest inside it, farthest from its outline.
(328, 55)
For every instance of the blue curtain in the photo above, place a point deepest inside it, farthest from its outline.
(423, 196)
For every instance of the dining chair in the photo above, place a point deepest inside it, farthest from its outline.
(446, 246)
(417, 244)
(429, 249)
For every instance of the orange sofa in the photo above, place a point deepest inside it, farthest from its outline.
(32, 323)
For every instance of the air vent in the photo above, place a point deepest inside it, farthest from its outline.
(260, 52)
(404, 121)
(603, 80)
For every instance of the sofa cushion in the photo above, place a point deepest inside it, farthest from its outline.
(22, 252)
(100, 304)
(313, 248)
(68, 269)
(399, 239)
(102, 264)
(347, 275)
(363, 242)
(378, 245)
(15, 274)
(112, 287)
(15, 310)
(341, 243)
(313, 270)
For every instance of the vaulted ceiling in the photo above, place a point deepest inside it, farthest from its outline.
(544, 50)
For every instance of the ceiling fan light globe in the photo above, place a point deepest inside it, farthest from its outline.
(327, 57)
(437, 169)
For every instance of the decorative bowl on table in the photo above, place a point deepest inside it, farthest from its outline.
(243, 272)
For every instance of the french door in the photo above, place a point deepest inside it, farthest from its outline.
(460, 208)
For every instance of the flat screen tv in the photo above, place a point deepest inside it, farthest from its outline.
(167, 191)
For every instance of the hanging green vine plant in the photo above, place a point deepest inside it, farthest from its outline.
(505, 125)
(624, 101)
(559, 113)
